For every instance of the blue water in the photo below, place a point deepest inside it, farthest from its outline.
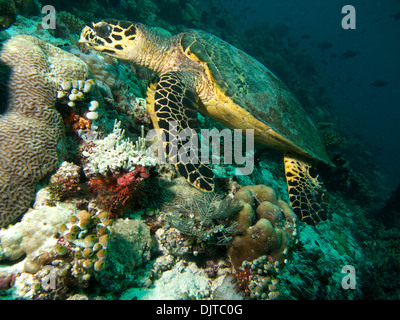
(372, 113)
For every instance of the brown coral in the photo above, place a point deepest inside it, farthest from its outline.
(31, 127)
(7, 281)
(274, 231)
(73, 23)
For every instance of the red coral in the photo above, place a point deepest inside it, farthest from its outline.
(131, 177)
(242, 279)
(76, 122)
(119, 190)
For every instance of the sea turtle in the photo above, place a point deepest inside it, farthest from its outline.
(198, 71)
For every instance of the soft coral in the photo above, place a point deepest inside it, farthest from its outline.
(118, 190)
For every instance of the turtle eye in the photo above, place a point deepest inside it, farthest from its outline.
(102, 29)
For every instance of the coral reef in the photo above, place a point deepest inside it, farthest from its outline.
(73, 23)
(9, 9)
(109, 74)
(116, 168)
(82, 245)
(33, 26)
(64, 184)
(6, 281)
(26, 7)
(173, 242)
(118, 191)
(274, 233)
(115, 153)
(130, 247)
(206, 221)
(184, 281)
(32, 238)
(71, 245)
(8, 13)
(222, 235)
(332, 139)
(31, 127)
(389, 213)
(346, 180)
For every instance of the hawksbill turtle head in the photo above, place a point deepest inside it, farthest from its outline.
(120, 39)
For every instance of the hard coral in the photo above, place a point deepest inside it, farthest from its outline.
(8, 13)
(73, 23)
(26, 7)
(7, 281)
(64, 183)
(115, 81)
(116, 153)
(274, 232)
(31, 127)
(129, 247)
(82, 245)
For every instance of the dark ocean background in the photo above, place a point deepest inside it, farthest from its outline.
(365, 88)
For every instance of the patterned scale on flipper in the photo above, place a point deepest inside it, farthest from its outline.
(173, 109)
(307, 194)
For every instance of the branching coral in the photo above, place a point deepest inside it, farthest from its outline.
(31, 127)
(115, 153)
(116, 167)
(274, 232)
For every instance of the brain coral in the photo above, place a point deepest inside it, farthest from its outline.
(30, 126)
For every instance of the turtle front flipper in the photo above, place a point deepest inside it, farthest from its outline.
(173, 110)
(307, 193)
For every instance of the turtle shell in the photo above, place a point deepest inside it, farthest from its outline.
(253, 87)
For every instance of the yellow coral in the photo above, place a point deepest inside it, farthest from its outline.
(87, 250)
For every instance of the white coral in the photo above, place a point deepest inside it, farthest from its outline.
(115, 152)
